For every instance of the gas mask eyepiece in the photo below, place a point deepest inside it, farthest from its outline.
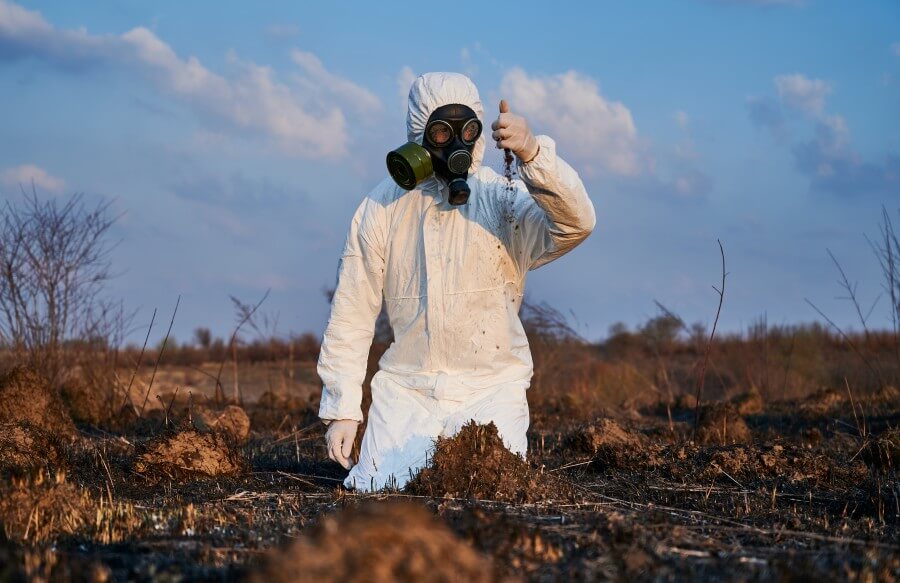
(446, 151)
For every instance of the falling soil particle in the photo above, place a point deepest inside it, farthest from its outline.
(721, 424)
(187, 455)
(231, 421)
(25, 447)
(378, 542)
(475, 464)
(607, 441)
(26, 396)
(748, 403)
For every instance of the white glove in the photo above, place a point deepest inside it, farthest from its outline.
(340, 437)
(511, 133)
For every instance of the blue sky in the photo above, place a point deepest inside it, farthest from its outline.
(237, 139)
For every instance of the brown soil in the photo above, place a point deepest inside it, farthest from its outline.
(608, 442)
(84, 403)
(748, 403)
(822, 402)
(231, 421)
(26, 396)
(24, 447)
(378, 542)
(475, 464)
(188, 455)
(722, 424)
(750, 463)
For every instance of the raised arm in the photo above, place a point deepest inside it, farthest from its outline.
(558, 214)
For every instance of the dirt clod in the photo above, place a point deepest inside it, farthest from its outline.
(722, 424)
(378, 543)
(188, 455)
(475, 464)
(607, 441)
(24, 447)
(26, 396)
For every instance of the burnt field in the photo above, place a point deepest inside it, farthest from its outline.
(760, 489)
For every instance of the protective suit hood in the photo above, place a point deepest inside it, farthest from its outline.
(433, 90)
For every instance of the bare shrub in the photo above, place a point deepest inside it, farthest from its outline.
(54, 263)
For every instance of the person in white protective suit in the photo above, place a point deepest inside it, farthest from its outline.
(452, 279)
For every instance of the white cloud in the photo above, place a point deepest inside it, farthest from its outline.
(571, 108)
(28, 174)
(248, 100)
(827, 157)
(682, 119)
(802, 93)
(318, 80)
(405, 79)
(895, 48)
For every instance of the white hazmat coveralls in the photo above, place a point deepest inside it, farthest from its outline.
(452, 279)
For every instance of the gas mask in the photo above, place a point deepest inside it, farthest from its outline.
(446, 151)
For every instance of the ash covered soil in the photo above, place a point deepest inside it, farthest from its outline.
(786, 491)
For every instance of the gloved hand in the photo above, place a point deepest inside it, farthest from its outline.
(340, 437)
(511, 132)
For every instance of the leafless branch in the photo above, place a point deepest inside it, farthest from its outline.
(701, 381)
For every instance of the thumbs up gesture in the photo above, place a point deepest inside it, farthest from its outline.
(511, 132)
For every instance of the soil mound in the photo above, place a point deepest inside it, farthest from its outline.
(608, 442)
(475, 464)
(26, 396)
(748, 403)
(24, 447)
(231, 421)
(187, 455)
(378, 543)
(821, 402)
(721, 424)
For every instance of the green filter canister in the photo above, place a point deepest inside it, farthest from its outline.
(409, 165)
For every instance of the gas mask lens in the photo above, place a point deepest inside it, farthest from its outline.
(439, 133)
(471, 131)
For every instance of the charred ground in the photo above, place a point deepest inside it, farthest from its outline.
(784, 490)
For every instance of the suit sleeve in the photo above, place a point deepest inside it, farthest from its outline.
(351, 326)
(556, 214)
